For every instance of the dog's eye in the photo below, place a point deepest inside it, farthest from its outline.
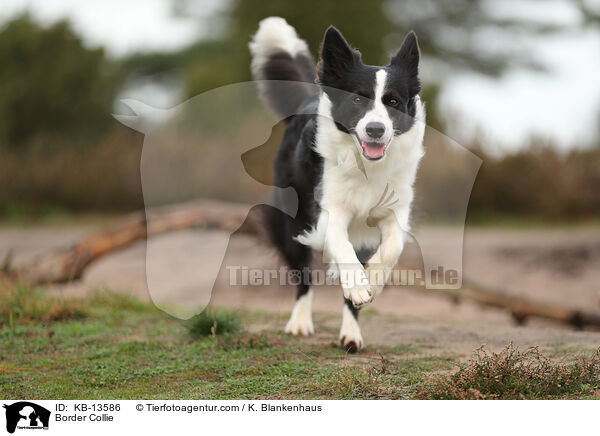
(393, 102)
(357, 100)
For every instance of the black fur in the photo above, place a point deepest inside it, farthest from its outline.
(299, 166)
(294, 82)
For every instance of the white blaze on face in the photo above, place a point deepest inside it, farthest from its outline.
(374, 148)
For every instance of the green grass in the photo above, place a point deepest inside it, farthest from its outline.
(110, 346)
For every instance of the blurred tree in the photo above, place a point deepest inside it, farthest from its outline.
(364, 24)
(51, 85)
(450, 35)
(231, 62)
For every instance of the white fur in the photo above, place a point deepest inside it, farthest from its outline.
(378, 113)
(274, 35)
(351, 191)
(300, 322)
(350, 330)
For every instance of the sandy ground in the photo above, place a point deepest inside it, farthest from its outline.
(549, 265)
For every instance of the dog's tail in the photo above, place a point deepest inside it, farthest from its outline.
(279, 55)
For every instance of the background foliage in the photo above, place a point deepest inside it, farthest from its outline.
(61, 149)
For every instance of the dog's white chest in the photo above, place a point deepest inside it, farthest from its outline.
(364, 198)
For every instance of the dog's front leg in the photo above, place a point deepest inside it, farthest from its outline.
(352, 274)
(381, 264)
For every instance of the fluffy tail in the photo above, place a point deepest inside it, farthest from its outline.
(278, 54)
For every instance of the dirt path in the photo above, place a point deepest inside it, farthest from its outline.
(554, 265)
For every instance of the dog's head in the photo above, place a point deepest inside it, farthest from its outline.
(374, 103)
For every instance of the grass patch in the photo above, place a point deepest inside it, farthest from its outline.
(512, 374)
(122, 348)
(23, 305)
(112, 346)
(211, 322)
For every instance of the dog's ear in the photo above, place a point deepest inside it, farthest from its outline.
(408, 56)
(337, 56)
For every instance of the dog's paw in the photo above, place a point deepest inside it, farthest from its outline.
(377, 278)
(350, 337)
(351, 345)
(298, 326)
(360, 295)
(376, 289)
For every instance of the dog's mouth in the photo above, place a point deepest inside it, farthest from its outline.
(373, 150)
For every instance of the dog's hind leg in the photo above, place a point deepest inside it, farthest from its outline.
(300, 322)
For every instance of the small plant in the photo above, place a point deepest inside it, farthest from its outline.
(512, 374)
(213, 322)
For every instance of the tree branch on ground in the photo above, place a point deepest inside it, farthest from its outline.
(69, 263)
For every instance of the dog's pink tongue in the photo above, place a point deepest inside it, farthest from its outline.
(373, 151)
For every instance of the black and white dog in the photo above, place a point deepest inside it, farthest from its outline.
(351, 149)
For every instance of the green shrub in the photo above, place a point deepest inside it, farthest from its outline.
(214, 322)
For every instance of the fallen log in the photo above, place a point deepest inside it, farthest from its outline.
(67, 264)
(522, 308)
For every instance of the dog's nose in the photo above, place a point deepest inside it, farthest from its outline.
(375, 129)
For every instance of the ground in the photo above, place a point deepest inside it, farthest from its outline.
(110, 346)
(134, 351)
(86, 341)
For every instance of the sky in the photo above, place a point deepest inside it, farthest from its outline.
(561, 105)
(122, 26)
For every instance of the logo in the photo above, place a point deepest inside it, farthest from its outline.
(26, 415)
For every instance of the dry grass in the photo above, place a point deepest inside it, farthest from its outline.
(539, 182)
(521, 184)
(22, 305)
(512, 374)
(48, 177)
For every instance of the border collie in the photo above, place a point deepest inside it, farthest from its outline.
(351, 149)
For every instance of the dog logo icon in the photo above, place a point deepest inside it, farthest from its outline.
(26, 415)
